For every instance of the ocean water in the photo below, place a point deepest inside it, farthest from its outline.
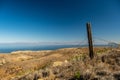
(11, 48)
(8, 48)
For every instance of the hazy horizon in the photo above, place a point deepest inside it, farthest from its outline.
(52, 43)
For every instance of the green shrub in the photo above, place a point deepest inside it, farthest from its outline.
(77, 75)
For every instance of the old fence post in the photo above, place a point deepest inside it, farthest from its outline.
(89, 34)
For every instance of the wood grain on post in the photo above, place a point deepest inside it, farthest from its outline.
(89, 34)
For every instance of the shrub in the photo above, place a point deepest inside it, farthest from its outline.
(77, 75)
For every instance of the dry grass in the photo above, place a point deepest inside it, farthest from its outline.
(31, 65)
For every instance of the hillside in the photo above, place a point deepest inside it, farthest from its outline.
(61, 64)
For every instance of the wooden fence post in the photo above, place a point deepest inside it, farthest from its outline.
(89, 34)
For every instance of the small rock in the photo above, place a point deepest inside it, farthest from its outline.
(57, 63)
(40, 79)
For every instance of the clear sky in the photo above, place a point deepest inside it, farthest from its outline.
(58, 20)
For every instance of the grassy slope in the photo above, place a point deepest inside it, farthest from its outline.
(69, 63)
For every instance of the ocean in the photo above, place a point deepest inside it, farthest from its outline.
(8, 48)
(11, 48)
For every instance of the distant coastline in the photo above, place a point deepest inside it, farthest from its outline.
(9, 49)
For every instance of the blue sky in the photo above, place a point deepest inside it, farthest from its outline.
(58, 20)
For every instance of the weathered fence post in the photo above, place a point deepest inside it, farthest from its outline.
(89, 34)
